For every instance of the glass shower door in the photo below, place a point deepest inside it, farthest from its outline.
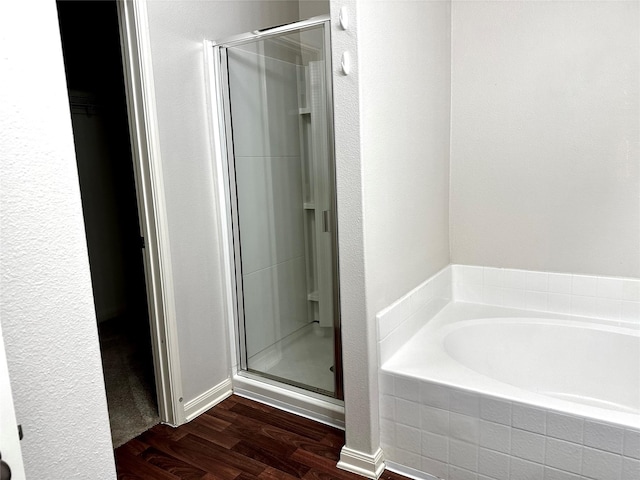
(281, 180)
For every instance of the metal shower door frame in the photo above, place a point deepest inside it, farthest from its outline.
(221, 81)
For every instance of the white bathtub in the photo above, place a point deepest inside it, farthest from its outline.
(557, 385)
(579, 366)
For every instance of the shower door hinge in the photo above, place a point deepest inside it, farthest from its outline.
(141, 242)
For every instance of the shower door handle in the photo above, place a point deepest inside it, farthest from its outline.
(325, 221)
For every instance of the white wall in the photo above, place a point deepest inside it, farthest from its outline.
(177, 29)
(46, 303)
(404, 50)
(545, 136)
(392, 147)
(313, 8)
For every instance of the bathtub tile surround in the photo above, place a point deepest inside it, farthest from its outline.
(607, 298)
(438, 430)
(401, 320)
(499, 440)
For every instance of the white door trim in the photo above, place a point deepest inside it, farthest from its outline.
(145, 145)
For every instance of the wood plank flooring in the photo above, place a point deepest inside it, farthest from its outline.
(238, 439)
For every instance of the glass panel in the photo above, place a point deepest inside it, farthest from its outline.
(284, 188)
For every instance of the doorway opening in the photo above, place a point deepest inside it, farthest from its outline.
(95, 82)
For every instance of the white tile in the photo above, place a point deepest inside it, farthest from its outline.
(603, 436)
(527, 445)
(565, 427)
(408, 438)
(528, 418)
(630, 469)
(554, 474)
(387, 407)
(464, 455)
(631, 290)
(386, 383)
(525, 470)
(514, 298)
(434, 420)
(537, 281)
(601, 465)
(434, 395)
(457, 473)
(584, 285)
(559, 283)
(495, 436)
(435, 446)
(492, 295)
(494, 277)
(423, 295)
(608, 309)
(456, 273)
(563, 455)
(470, 274)
(469, 293)
(464, 402)
(536, 301)
(407, 388)
(387, 432)
(464, 427)
(514, 279)
(559, 303)
(632, 443)
(388, 347)
(434, 467)
(630, 311)
(493, 464)
(407, 458)
(389, 319)
(583, 306)
(608, 287)
(495, 410)
(407, 413)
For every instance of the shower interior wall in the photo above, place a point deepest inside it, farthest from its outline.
(267, 151)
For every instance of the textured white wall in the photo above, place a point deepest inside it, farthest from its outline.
(177, 29)
(358, 334)
(405, 78)
(46, 303)
(392, 154)
(545, 136)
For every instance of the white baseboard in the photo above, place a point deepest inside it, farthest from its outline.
(408, 471)
(208, 399)
(367, 465)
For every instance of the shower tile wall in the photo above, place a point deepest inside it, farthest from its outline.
(268, 172)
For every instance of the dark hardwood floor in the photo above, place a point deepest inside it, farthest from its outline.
(237, 440)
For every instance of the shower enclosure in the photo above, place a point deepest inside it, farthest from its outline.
(277, 129)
